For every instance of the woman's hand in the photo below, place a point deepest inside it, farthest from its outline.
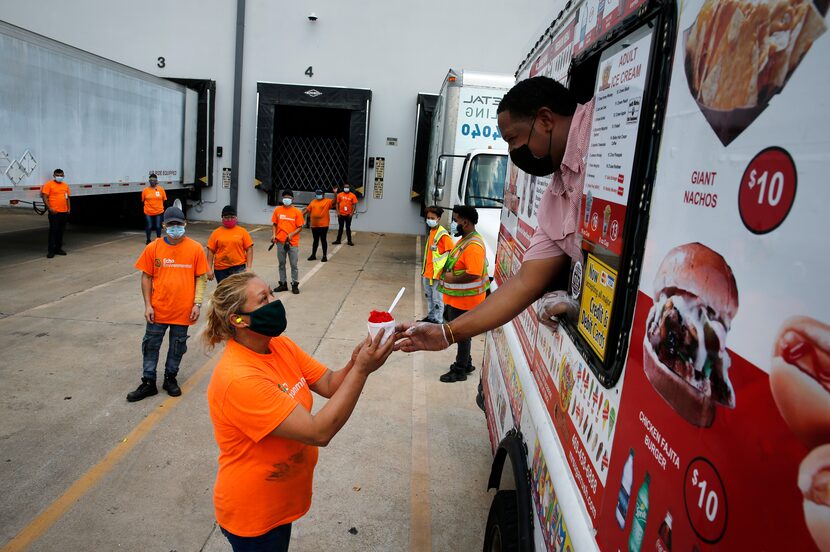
(372, 355)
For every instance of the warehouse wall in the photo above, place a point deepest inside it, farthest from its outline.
(392, 48)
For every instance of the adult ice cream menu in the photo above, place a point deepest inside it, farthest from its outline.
(618, 101)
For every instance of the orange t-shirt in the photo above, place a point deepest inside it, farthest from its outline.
(346, 203)
(153, 199)
(286, 220)
(263, 481)
(444, 244)
(229, 246)
(471, 261)
(318, 209)
(174, 269)
(58, 195)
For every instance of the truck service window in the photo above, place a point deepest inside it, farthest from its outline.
(486, 183)
(610, 196)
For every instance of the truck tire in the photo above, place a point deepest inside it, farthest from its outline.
(502, 534)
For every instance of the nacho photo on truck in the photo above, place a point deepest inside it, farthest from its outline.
(686, 405)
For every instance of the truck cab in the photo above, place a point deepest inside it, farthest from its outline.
(480, 185)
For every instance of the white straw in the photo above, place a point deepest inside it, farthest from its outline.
(397, 298)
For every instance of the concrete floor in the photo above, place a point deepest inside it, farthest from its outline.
(82, 469)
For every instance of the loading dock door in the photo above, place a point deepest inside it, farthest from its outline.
(309, 137)
(423, 126)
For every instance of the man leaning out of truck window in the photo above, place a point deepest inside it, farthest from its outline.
(547, 132)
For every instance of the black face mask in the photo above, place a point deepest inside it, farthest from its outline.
(524, 159)
(268, 319)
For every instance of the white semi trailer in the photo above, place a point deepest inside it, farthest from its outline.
(108, 126)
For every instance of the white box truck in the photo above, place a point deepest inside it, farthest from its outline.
(687, 405)
(467, 161)
(108, 126)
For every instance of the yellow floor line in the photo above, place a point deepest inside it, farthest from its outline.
(37, 527)
(420, 525)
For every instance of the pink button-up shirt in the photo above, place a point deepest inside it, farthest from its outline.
(558, 230)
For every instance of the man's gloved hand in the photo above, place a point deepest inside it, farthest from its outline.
(554, 306)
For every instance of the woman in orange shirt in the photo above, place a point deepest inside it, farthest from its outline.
(320, 221)
(230, 248)
(153, 199)
(260, 404)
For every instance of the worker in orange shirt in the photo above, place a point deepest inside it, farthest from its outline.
(153, 199)
(320, 220)
(173, 280)
(437, 250)
(464, 283)
(288, 223)
(55, 194)
(230, 248)
(346, 202)
(260, 399)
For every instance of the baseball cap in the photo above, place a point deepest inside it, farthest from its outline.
(174, 214)
(228, 211)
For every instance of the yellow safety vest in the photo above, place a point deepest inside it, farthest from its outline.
(476, 287)
(438, 259)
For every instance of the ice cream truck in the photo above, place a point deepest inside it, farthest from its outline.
(686, 406)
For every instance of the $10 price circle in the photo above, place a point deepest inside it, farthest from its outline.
(705, 498)
(767, 190)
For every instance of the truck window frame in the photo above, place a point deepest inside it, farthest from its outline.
(662, 19)
(469, 166)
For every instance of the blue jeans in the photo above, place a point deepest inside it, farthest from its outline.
(153, 222)
(435, 301)
(150, 345)
(275, 540)
(222, 273)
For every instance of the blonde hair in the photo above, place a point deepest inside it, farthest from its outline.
(228, 297)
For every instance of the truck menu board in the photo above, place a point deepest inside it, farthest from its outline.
(617, 103)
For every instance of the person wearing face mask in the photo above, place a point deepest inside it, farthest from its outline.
(437, 249)
(230, 248)
(260, 402)
(319, 210)
(464, 283)
(547, 132)
(288, 223)
(173, 279)
(153, 199)
(55, 195)
(346, 202)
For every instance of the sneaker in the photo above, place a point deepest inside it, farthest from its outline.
(470, 369)
(147, 242)
(312, 258)
(282, 287)
(350, 243)
(324, 259)
(60, 252)
(338, 242)
(146, 389)
(50, 255)
(171, 386)
(295, 288)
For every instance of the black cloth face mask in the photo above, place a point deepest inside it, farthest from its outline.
(524, 159)
(268, 319)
